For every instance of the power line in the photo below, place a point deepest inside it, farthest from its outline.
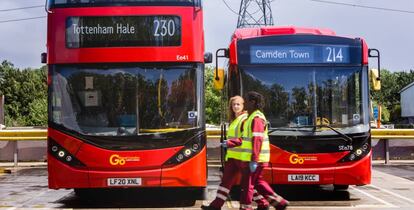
(21, 8)
(363, 6)
(248, 18)
(224, 1)
(236, 13)
(22, 19)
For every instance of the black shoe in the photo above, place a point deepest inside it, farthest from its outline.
(209, 208)
(282, 205)
(263, 208)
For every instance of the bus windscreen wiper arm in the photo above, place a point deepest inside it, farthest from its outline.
(344, 136)
(289, 129)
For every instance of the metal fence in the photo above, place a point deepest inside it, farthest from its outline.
(29, 134)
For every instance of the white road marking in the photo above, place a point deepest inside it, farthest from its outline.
(393, 193)
(373, 197)
(341, 207)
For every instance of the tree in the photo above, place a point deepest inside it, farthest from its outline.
(212, 98)
(25, 92)
(389, 95)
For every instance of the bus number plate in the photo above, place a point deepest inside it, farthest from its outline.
(303, 178)
(124, 182)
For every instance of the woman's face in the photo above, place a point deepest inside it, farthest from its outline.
(237, 105)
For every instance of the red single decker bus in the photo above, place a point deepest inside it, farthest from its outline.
(317, 101)
(126, 94)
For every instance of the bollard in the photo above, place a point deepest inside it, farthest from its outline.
(15, 154)
(386, 151)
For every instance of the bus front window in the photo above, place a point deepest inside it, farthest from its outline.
(308, 96)
(125, 101)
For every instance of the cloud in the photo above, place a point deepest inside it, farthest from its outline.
(22, 42)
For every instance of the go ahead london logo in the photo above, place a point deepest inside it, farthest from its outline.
(297, 159)
(116, 159)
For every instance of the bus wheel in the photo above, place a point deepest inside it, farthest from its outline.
(340, 187)
(201, 193)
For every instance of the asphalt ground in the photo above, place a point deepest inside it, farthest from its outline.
(26, 188)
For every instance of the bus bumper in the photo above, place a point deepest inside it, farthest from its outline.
(187, 174)
(349, 173)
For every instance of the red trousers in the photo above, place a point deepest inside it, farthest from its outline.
(251, 181)
(232, 168)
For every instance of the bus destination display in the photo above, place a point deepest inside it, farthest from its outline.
(123, 31)
(299, 54)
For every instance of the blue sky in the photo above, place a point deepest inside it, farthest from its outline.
(391, 32)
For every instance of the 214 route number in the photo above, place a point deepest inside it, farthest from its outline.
(334, 54)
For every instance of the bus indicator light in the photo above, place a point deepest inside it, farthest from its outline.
(180, 157)
(54, 149)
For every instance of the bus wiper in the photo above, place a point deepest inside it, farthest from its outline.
(344, 136)
(298, 128)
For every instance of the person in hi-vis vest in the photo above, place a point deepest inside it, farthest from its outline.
(232, 166)
(255, 155)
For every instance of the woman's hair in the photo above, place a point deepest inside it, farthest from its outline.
(232, 115)
(257, 98)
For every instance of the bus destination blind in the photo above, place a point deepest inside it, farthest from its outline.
(123, 31)
(299, 54)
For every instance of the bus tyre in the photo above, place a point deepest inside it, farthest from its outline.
(199, 193)
(202, 193)
(340, 187)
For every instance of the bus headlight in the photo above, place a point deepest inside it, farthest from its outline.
(358, 153)
(187, 152)
(62, 154)
(190, 149)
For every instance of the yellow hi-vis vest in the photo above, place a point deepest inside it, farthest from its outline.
(247, 148)
(234, 131)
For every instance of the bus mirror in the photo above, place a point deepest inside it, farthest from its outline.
(219, 79)
(208, 57)
(376, 81)
(43, 57)
(48, 6)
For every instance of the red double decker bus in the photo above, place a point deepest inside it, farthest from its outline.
(317, 101)
(126, 94)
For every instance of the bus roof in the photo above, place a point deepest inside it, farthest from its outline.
(244, 33)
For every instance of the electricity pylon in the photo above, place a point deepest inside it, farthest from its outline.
(255, 13)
